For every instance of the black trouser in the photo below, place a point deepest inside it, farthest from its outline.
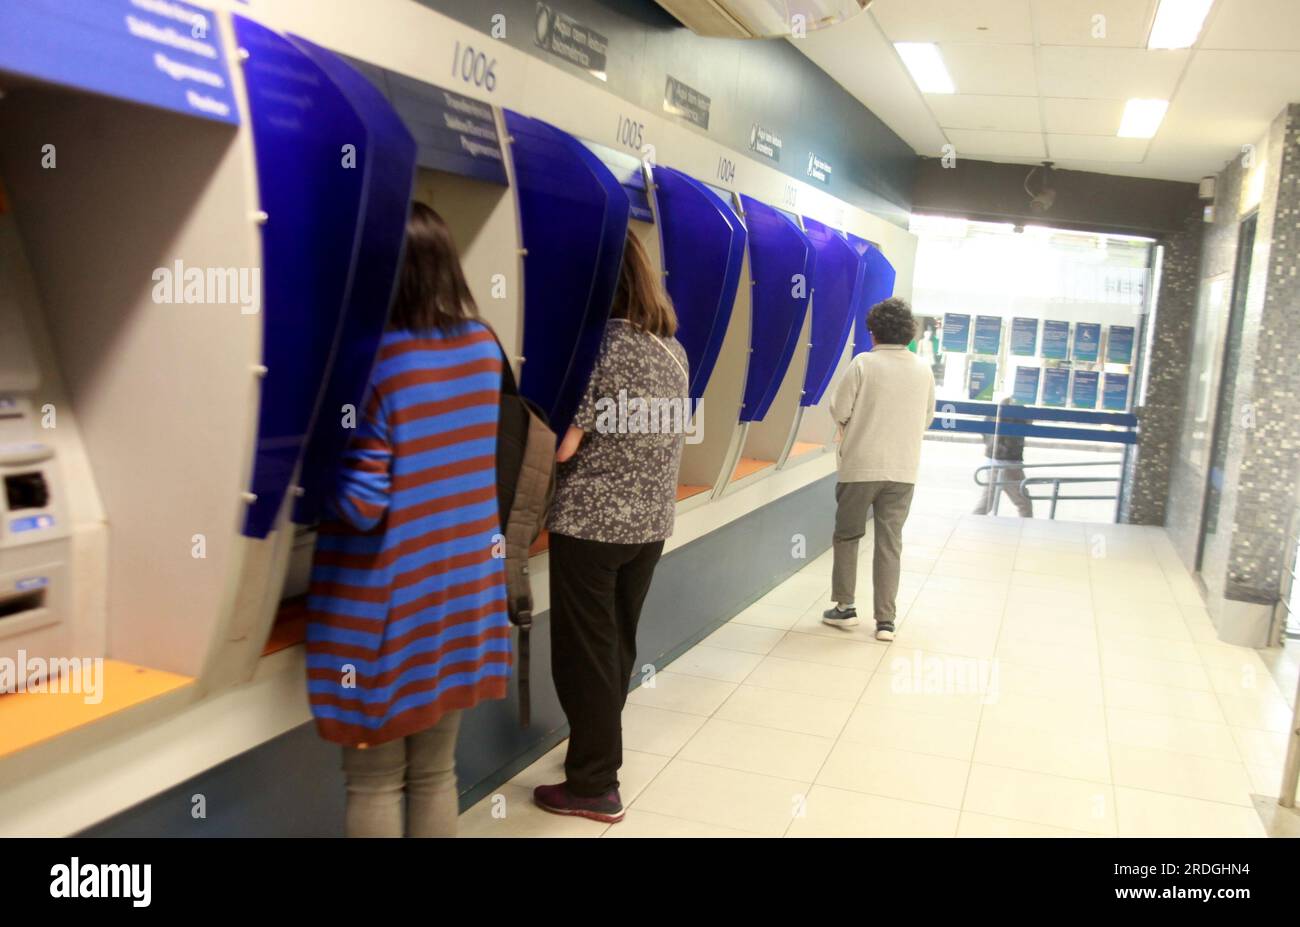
(597, 590)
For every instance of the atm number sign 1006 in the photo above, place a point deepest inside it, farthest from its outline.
(474, 67)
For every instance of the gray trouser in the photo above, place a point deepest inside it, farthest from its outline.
(891, 502)
(1007, 480)
(421, 766)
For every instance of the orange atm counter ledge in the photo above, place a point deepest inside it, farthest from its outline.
(29, 718)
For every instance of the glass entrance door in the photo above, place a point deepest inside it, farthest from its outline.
(1227, 387)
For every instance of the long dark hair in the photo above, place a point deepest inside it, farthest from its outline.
(640, 297)
(432, 293)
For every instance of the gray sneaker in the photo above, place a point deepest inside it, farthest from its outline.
(884, 631)
(838, 617)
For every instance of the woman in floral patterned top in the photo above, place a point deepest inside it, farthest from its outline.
(616, 491)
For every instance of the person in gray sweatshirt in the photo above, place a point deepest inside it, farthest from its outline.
(883, 404)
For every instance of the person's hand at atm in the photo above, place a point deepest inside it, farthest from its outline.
(569, 446)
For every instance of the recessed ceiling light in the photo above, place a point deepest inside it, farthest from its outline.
(926, 66)
(1178, 23)
(1142, 118)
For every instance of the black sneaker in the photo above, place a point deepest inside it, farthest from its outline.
(557, 799)
(838, 617)
(884, 630)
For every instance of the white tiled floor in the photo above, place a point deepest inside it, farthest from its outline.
(1048, 678)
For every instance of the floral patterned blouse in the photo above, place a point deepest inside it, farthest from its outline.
(620, 487)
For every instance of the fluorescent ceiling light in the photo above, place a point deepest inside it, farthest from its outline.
(1142, 118)
(926, 66)
(1178, 23)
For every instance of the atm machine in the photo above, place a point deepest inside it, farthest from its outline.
(123, 408)
(703, 245)
(838, 281)
(463, 175)
(36, 512)
(781, 262)
(154, 446)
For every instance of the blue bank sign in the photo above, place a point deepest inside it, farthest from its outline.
(163, 53)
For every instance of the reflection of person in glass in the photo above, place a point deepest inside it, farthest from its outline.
(936, 344)
(1006, 453)
(924, 347)
(928, 347)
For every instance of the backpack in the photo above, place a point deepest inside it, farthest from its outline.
(525, 488)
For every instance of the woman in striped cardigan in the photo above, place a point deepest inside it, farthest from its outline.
(407, 606)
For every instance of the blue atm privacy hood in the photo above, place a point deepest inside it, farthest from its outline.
(781, 262)
(703, 249)
(330, 247)
(838, 279)
(573, 215)
(878, 284)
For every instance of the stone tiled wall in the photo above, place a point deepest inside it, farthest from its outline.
(1264, 459)
(1190, 460)
(1150, 465)
(1238, 417)
(1243, 558)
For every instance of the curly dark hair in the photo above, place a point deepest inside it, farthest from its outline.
(891, 322)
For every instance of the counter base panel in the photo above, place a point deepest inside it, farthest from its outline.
(291, 785)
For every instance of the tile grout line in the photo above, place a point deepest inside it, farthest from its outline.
(1105, 700)
(1023, 545)
(979, 722)
(709, 717)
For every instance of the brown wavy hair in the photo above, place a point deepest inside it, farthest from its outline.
(431, 293)
(640, 297)
(891, 321)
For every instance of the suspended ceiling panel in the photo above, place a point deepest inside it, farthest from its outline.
(1048, 79)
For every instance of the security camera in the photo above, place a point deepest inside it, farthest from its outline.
(1043, 201)
(1045, 198)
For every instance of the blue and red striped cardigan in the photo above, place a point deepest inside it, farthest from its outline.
(407, 606)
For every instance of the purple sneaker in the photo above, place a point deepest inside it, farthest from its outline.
(557, 799)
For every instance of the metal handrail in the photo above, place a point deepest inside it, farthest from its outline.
(1016, 465)
(1056, 481)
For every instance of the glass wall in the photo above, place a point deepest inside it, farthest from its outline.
(1037, 316)
(1223, 380)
